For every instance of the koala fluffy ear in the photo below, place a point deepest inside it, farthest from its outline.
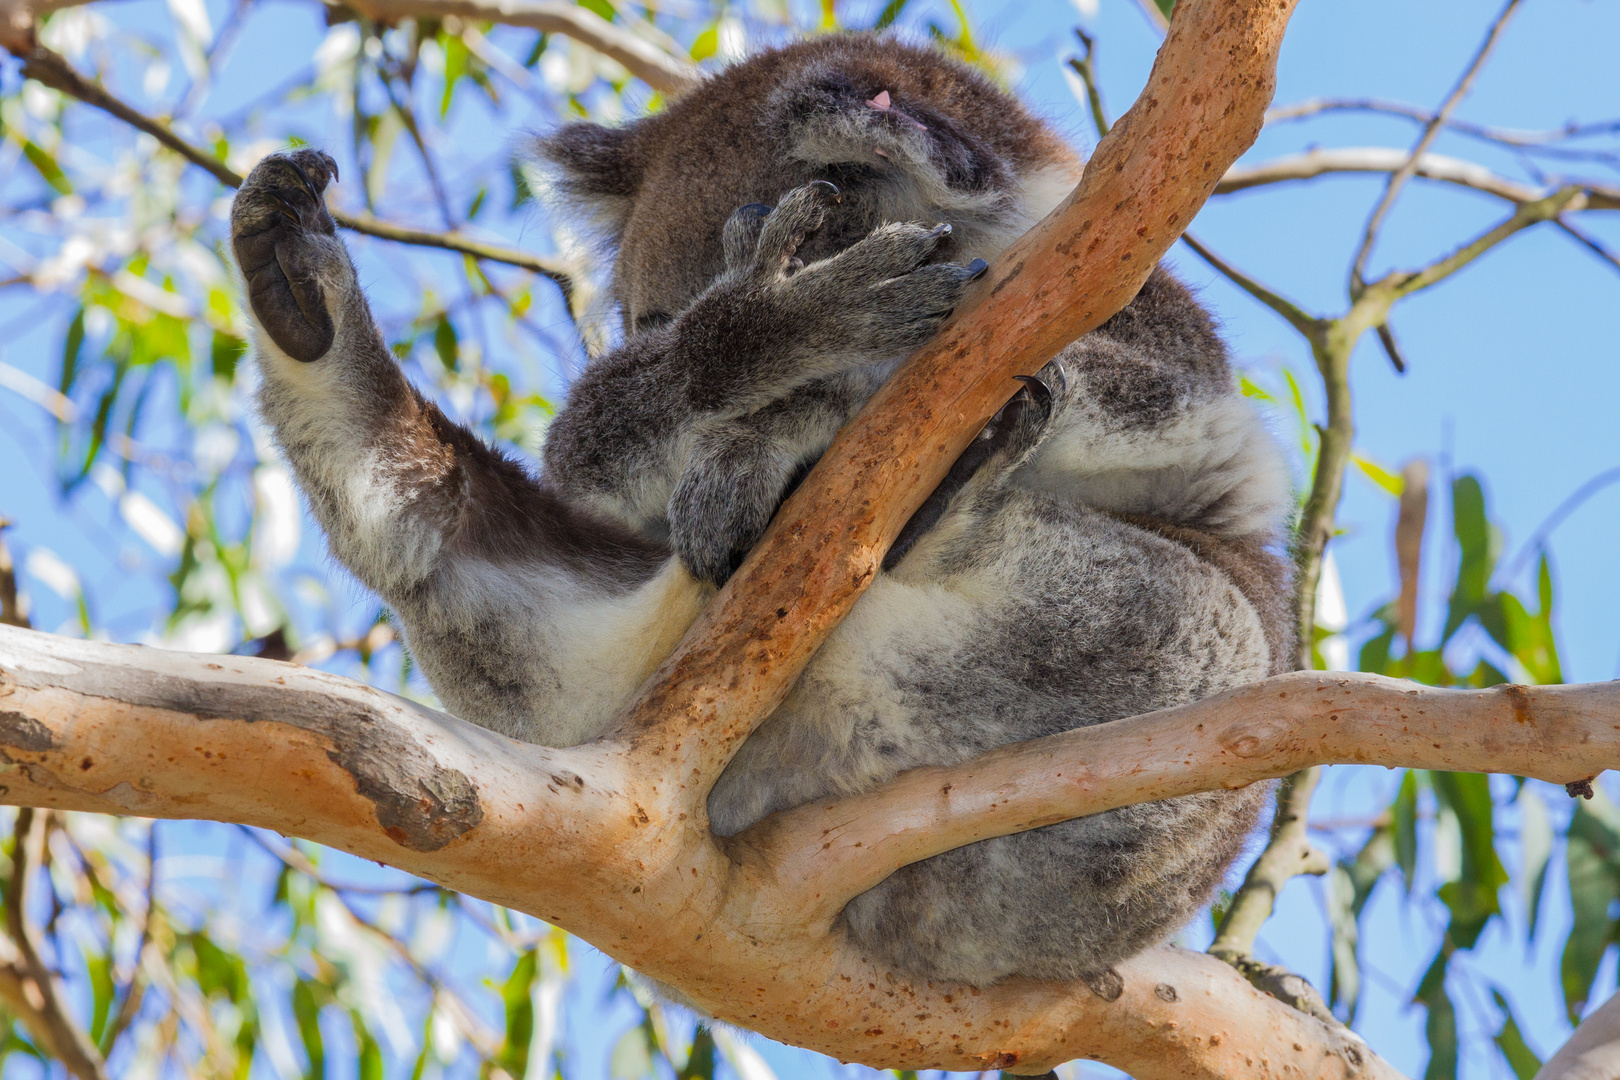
(598, 169)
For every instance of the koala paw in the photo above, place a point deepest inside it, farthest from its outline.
(285, 243)
(877, 299)
(724, 500)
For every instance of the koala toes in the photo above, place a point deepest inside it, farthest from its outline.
(284, 241)
(800, 213)
(897, 314)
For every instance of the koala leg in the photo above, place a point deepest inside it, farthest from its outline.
(1004, 444)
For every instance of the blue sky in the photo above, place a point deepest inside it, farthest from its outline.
(1515, 362)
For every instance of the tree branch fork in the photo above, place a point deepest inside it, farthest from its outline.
(604, 841)
(610, 840)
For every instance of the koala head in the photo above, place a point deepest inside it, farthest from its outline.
(906, 133)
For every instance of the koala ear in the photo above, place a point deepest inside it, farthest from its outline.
(596, 168)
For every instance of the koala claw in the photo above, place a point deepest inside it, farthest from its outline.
(1038, 392)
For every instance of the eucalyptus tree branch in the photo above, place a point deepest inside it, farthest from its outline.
(1379, 159)
(610, 839)
(1405, 283)
(1431, 131)
(1307, 324)
(1288, 854)
(26, 981)
(655, 66)
(1590, 242)
(53, 70)
(1593, 1051)
(1533, 141)
(10, 606)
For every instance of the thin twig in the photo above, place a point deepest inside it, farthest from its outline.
(1538, 539)
(62, 1037)
(130, 1005)
(1380, 159)
(657, 67)
(1590, 242)
(1404, 283)
(1540, 142)
(1287, 855)
(1431, 131)
(53, 70)
(1296, 316)
(1084, 66)
(11, 613)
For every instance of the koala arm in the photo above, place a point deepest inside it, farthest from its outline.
(760, 335)
(398, 486)
(488, 568)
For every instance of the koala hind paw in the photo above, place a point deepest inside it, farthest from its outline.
(284, 240)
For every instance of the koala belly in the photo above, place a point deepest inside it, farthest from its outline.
(1039, 618)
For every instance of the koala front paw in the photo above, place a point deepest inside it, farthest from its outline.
(877, 299)
(722, 504)
(285, 243)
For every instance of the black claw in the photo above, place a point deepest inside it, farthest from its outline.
(836, 194)
(942, 229)
(976, 270)
(309, 185)
(1038, 392)
(755, 210)
(289, 209)
(331, 164)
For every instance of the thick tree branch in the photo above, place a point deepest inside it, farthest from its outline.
(1214, 76)
(833, 850)
(1593, 1052)
(609, 840)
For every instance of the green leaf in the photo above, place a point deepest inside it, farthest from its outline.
(700, 1061)
(518, 995)
(1351, 884)
(601, 7)
(1440, 1026)
(102, 988)
(307, 1012)
(1479, 545)
(707, 43)
(1472, 898)
(1591, 856)
(444, 343)
(72, 346)
(1390, 482)
(225, 351)
(1535, 845)
(456, 60)
(1520, 1058)
(368, 1064)
(1403, 824)
(891, 11)
(48, 169)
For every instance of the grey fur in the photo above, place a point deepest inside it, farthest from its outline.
(1106, 548)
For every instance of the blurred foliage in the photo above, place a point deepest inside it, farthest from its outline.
(169, 969)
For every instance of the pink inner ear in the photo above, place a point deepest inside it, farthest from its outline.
(880, 102)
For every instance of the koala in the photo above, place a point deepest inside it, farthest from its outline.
(784, 234)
